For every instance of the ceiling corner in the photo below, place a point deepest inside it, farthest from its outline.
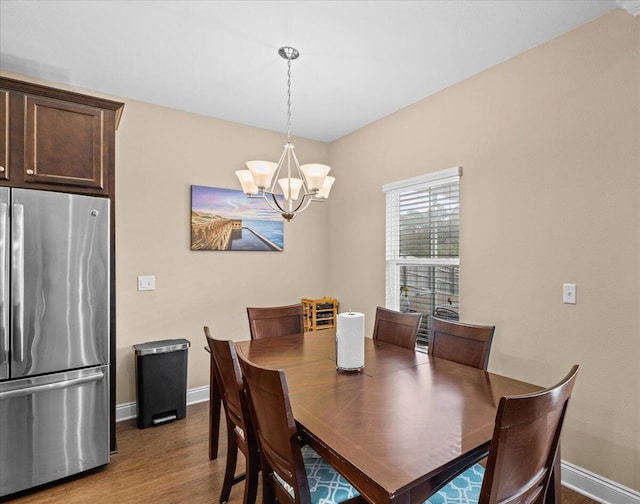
(631, 6)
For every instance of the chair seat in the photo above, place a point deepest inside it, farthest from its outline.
(463, 489)
(326, 485)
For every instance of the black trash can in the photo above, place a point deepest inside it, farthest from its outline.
(161, 381)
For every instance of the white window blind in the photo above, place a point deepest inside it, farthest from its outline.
(423, 248)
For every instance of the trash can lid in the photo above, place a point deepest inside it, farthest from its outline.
(163, 346)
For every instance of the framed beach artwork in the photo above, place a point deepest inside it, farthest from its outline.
(226, 219)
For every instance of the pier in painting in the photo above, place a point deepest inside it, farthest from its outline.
(214, 232)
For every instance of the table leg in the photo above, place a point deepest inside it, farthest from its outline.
(215, 401)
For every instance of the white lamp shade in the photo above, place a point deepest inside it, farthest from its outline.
(326, 187)
(262, 172)
(290, 187)
(315, 175)
(246, 180)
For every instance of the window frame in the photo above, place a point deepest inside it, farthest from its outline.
(393, 260)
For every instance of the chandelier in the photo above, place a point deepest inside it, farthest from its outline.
(287, 187)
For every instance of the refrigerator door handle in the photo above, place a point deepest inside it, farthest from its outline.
(17, 272)
(51, 386)
(4, 289)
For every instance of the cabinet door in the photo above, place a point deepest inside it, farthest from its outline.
(4, 135)
(64, 143)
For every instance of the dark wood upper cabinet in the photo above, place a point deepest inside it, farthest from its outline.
(64, 143)
(57, 140)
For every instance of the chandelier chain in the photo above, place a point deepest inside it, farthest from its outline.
(286, 187)
(289, 100)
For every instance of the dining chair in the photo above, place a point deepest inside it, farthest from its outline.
(522, 454)
(240, 431)
(291, 473)
(276, 321)
(459, 342)
(396, 327)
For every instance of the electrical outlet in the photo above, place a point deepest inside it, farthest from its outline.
(569, 293)
(146, 283)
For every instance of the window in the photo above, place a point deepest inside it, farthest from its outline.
(423, 249)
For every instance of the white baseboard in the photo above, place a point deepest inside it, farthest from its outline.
(576, 478)
(130, 410)
(596, 487)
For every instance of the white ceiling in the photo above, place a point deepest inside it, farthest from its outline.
(360, 60)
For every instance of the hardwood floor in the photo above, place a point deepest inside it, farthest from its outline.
(168, 464)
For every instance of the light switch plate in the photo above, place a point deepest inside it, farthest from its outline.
(569, 293)
(146, 283)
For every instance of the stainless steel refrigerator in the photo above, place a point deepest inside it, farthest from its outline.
(54, 336)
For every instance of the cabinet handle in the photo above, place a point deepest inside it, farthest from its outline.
(1, 169)
(29, 172)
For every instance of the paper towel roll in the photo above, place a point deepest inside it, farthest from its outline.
(350, 341)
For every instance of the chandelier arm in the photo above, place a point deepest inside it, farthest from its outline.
(300, 174)
(305, 183)
(305, 200)
(277, 208)
(288, 215)
(288, 200)
(274, 180)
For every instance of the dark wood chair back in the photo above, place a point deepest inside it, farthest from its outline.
(229, 378)
(464, 343)
(276, 432)
(276, 321)
(240, 431)
(397, 328)
(525, 445)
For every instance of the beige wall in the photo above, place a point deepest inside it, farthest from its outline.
(160, 153)
(548, 142)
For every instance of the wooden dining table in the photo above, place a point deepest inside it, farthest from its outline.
(398, 429)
